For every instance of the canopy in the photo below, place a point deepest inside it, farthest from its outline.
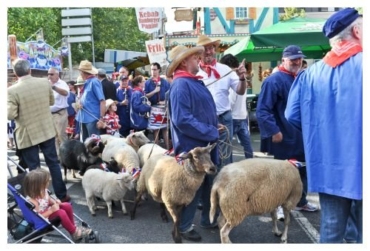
(134, 63)
(246, 49)
(298, 31)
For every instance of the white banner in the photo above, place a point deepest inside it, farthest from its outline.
(156, 52)
(149, 20)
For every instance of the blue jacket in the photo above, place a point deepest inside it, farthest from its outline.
(123, 111)
(326, 104)
(270, 116)
(193, 116)
(71, 99)
(150, 86)
(138, 110)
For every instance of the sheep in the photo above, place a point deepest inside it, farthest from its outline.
(254, 187)
(174, 185)
(124, 154)
(94, 145)
(147, 150)
(74, 155)
(111, 166)
(135, 140)
(107, 185)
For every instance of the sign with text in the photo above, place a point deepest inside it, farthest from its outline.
(149, 20)
(156, 52)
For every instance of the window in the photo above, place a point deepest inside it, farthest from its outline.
(241, 13)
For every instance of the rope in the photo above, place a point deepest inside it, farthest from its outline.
(220, 78)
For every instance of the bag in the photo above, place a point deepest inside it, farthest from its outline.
(21, 230)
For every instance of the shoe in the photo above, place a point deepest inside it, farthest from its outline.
(191, 236)
(280, 213)
(81, 232)
(200, 206)
(67, 198)
(308, 208)
(210, 226)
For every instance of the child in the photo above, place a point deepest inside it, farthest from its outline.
(111, 120)
(35, 186)
(140, 106)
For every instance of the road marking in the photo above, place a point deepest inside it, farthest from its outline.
(311, 232)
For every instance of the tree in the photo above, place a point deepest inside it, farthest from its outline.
(291, 12)
(113, 28)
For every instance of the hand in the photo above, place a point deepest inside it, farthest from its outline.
(277, 138)
(221, 127)
(157, 89)
(124, 102)
(100, 124)
(54, 207)
(241, 71)
(161, 103)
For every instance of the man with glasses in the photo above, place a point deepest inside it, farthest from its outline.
(287, 142)
(155, 90)
(59, 109)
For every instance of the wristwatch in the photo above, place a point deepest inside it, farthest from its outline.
(53, 87)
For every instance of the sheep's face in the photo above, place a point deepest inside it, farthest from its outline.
(126, 181)
(95, 147)
(201, 159)
(138, 138)
(113, 166)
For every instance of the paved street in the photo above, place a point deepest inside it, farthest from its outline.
(149, 228)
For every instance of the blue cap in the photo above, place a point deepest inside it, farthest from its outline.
(339, 21)
(293, 52)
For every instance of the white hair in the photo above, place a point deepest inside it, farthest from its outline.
(346, 33)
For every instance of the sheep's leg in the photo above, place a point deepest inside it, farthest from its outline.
(133, 209)
(163, 212)
(224, 233)
(124, 211)
(109, 205)
(284, 237)
(74, 174)
(175, 211)
(275, 228)
(91, 203)
(65, 174)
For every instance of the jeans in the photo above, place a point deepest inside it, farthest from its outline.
(88, 129)
(351, 234)
(303, 173)
(335, 212)
(240, 128)
(225, 138)
(32, 159)
(188, 212)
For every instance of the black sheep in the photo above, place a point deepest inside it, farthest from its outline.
(111, 166)
(74, 156)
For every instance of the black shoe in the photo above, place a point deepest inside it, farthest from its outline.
(210, 226)
(67, 198)
(191, 236)
(200, 206)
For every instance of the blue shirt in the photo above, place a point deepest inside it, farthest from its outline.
(138, 110)
(150, 86)
(326, 104)
(193, 116)
(271, 120)
(90, 100)
(71, 99)
(123, 111)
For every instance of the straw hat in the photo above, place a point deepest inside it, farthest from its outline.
(108, 103)
(86, 66)
(79, 81)
(178, 54)
(203, 40)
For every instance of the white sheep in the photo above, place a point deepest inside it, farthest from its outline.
(254, 187)
(136, 139)
(148, 150)
(172, 184)
(106, 185)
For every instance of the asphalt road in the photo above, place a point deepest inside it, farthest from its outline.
(149, 228)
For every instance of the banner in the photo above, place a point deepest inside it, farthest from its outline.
(156, 52)
(149, 20)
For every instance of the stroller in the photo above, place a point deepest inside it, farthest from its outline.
(26, 225)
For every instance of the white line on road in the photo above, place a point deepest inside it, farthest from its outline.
(306, 226)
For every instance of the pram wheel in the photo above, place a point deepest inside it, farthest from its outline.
(93, 237)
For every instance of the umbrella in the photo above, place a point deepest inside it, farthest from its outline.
(298, 31)
(246, 49)
(134, 63)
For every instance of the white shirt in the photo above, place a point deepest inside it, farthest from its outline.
(220, 89)
(238, 105)
(60, 101)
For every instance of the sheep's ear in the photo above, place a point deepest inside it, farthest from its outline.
(210, 147)
(186, 155)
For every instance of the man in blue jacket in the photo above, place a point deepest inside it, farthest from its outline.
(194, 123)
(325, 102)
(287, 142)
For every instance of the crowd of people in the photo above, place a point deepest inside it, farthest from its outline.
(302, 113)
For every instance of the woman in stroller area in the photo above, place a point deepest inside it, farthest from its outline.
(35, 187)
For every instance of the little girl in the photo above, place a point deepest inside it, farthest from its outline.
(35, 186)
(111, 119)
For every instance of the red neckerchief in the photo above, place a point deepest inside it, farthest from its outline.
(281, 68)
(156, 80)
(138, 89)
(341, 52)
(181, 73)
(210, 68)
